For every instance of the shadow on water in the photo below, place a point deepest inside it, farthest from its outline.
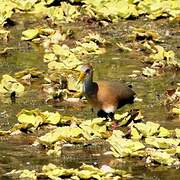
(18, 154)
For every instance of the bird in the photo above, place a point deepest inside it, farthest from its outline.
(105, 96)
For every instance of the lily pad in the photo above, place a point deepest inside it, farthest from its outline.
(10, 84)
(161, 157)
(30, 34)
(148, 129)
(63, 134)
(37, 118)
(163, 132)
(177, 131)
(162, 142)
(27, 174)
(149, 72)
(122, 147)
(135, 134)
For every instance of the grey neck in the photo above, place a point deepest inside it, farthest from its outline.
(88, 85)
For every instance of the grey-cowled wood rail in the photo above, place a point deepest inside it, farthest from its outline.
(105, 96)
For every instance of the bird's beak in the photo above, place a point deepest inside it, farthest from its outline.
(81, 77)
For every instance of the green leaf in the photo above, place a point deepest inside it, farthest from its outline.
(27, 174)
(30, 119)
(148, 129)
(162, 142)
(163, 132)
(62, 134)
(161, 157)
(61, 50)
(177, 131)
(122, 147)
(37, 118)
(30, 34)
(176, 110)
(149, 72)
(135, 134)
(51, 118)
(10, 84)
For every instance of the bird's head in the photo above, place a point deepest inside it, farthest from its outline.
(85, 72)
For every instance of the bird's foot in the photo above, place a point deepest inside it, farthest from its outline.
(115, 125)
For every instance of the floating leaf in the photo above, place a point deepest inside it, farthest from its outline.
(83, 172)
(164, 58)
(62, 134)
(93, 128)
(36, 117)
(142, 34)
(135, 134)
(163, 132)
(148, 129)
(51, 118)
(123, 47)
(10, 84)
(30, 34)
(48, 57)
(162, 142)
(87, 48)
(149, 72)
(6, 10)
(33, 72)
(95, 37)
(64, 13)
(56, 65)
(161, 157)
(61, 50)
(27, 174)
(157, 9)
(176, 110)
(177, 131)
(122, 147)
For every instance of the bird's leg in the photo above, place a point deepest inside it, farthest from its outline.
(111, 115)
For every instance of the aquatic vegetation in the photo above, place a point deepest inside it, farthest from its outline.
(155, 55)
(37, 118)
(64, 52)
(112, 10)
(9, 85)
(85, 171)
(145, 140)
(149, 72)
(173, 99)
(108, 10)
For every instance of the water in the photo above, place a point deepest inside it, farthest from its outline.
(17, 152)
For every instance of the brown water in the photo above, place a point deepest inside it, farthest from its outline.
(17, 152)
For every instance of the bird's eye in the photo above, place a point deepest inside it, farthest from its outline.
(87, 71)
